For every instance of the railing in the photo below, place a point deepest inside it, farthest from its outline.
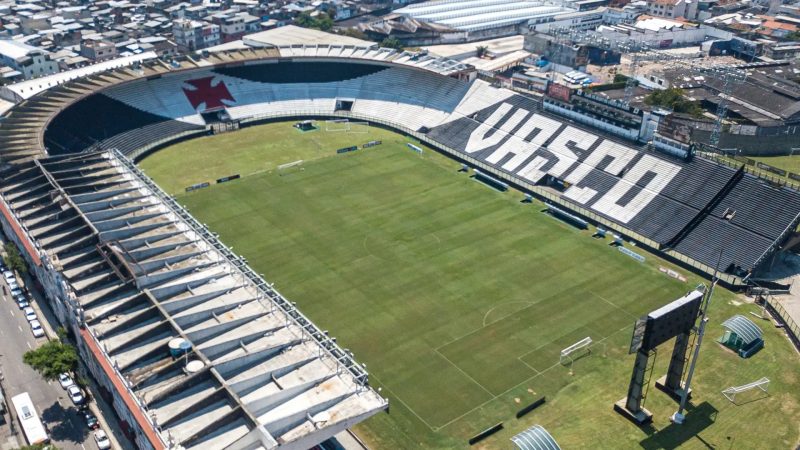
(341, 356)
(541, 192)
(791, 327)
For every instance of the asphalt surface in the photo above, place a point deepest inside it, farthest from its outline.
(61, 418)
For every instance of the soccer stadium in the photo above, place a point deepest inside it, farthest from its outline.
(262, 248)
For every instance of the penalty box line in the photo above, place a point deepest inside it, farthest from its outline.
(518, 385)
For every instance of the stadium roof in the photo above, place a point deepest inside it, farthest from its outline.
(146, 275)
(27, 89)
(21, 131)
(294, 35)
(472, 15)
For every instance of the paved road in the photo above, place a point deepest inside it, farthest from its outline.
(61, 418)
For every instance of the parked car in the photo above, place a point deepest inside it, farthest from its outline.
(101, 439)
(36, 328)
(30, 314)
(8, 275)
(13, 285)
(22, 302)
(65, 380)
(91, 421)
(16, 292)
(76, 395)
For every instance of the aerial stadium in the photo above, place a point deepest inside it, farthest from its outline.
(261, 248)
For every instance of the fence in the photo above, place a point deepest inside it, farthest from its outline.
(539, 191)
(792, 329)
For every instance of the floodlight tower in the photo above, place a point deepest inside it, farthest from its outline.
(637, 52)
(731, 77)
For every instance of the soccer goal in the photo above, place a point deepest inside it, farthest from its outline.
(576, 350)
(337, 125)
(731, 392)
(359, 127)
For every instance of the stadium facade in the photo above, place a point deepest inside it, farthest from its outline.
(131, 272)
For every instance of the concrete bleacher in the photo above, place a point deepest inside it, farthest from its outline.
(671, 202)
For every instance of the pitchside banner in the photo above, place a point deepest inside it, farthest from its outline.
(769, 168)
(228, 178)
(198, 186)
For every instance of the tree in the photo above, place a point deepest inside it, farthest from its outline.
(14, 259)
(39, 447)
(392, 42)
(321, 22)
(354, 33)
(52, 359)
(481, 50)
(674, 99)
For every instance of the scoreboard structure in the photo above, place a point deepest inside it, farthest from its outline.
(674, 320)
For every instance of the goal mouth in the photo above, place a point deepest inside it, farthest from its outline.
(345, 125)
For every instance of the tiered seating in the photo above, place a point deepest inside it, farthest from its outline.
(301, 72)
(747, 201)
(138, 138)
(739, 246)
(92, 120)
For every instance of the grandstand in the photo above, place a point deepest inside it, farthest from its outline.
(141, 273)
(690, 211)
(136, 272)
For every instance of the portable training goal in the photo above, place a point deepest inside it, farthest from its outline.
(731, 392)
(577, 349)
(337, 125)
(347, 126)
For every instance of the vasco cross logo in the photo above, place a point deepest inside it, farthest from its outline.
(204, 92)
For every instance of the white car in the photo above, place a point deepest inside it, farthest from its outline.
(65, 380)
(102, 440)
(30, 314)
(8, 275)
(75, 395)
(36, 328)
(13, 285)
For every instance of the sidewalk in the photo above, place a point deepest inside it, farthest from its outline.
(48, 318)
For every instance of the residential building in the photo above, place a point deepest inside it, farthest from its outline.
(29, 61)
(195, 35)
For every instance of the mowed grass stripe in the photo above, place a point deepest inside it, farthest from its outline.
(419, 249)
(398, 255)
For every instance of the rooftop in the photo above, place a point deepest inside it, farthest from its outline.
(16, 50)
(212, 354)
(294, 35)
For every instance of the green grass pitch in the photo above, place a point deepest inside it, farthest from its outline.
(459, 298)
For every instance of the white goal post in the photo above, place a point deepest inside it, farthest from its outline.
(731, 392)
(337, 125)
(346, 125)
(583, 344)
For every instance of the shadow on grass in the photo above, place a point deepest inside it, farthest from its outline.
(698, 418)
(64, 424)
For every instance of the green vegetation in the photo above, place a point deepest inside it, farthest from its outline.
(481, 50)
(459, 298)
(674, 99)
(52, 359)
(39, 447)
(354, 33)
(788, 163)
(392, 42)
(320, 21)
(13, 259)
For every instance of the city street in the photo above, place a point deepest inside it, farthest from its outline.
(62, 420)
